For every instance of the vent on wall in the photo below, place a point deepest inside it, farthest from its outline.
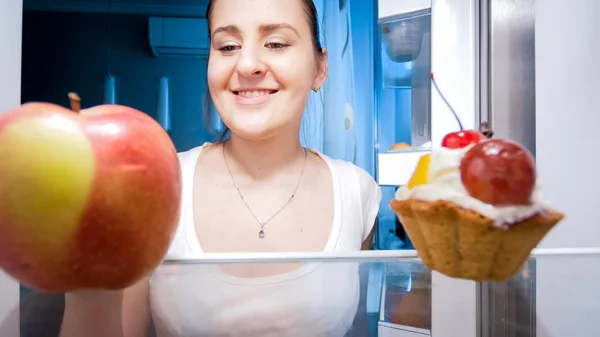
(179, 37)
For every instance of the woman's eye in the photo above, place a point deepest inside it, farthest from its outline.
(276, 45)
(228, 48)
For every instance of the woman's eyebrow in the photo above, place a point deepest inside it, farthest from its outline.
(269, 28)
(230, 29)
(264, 29)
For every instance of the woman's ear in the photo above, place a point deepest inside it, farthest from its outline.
(322, 70)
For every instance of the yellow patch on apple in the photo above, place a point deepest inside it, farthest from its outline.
(47, 172)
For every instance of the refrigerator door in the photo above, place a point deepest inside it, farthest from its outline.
(511, 70)
(411, 119)
(394, 8)
(408, 111)
(508, 105)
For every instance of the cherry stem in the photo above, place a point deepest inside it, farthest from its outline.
(75, 101)
(446, 101)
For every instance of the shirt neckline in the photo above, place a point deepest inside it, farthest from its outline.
(192, 235)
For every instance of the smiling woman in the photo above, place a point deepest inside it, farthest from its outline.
(257, 191)
(278, 61)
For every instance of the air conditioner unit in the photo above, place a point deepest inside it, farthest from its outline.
(179, 37)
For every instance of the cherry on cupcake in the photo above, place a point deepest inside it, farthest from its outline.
(459, 139)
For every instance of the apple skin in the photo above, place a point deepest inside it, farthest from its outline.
(499, 172)
(88, 200)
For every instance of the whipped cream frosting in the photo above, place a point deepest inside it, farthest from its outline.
(444, 183)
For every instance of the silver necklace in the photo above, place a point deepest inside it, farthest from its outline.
(261, 233)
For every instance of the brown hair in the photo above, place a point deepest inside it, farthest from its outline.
(310, 11)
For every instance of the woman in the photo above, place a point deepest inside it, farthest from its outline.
(259, 191)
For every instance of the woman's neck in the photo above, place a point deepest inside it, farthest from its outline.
(262, 158)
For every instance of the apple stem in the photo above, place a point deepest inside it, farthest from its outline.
(75, 102)
(445, 101)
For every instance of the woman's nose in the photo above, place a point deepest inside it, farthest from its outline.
(250, 63)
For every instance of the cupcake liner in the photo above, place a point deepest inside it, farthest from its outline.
(462, 243)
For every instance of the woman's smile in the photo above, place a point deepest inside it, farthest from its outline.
(253, 96)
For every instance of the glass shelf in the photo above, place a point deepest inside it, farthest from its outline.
(383, 293)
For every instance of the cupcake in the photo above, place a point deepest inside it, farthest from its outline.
(474, 208)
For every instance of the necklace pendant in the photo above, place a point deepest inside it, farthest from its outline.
(261, 234)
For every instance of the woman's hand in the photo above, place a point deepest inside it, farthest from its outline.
(93, 313)
(108, 313)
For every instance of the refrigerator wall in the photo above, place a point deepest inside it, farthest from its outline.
(10, 95)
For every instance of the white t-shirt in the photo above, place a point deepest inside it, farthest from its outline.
(317, 299)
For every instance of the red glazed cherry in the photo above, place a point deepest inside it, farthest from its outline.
(499, 172)
(462, 138)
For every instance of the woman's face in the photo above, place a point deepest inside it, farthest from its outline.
(262, 65)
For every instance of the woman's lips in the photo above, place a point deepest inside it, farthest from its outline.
(253, 97)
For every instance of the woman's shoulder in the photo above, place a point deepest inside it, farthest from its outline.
(360, 190)
(353, 179)
(346, 170)
(193, 152)
(194, 149)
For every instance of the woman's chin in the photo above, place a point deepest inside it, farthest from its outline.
(253, 133)
(260, 126)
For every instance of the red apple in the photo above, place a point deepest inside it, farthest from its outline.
(88, 200)
(499, 172)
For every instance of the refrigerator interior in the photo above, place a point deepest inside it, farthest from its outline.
(403, 103)
(84, 48)
(104, 51)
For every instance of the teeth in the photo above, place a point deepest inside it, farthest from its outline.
(255, 93)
